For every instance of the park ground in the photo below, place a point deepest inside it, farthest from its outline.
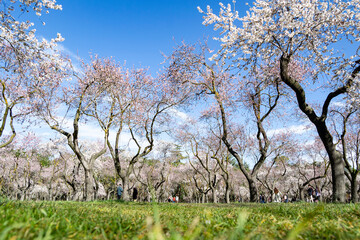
(120, 220)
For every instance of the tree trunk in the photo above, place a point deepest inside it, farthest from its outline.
(88, 186)
(336, 162)
(227, 194)
(125, 195)
(96, 189)
(213, 190)
(50, 194)
(253, 190)
(335, 157)
(301, 193)
(354, 188)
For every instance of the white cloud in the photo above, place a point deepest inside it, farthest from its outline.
(66, 51)
(180, 115)
(339, 104)
(75, 59)
(295, 129)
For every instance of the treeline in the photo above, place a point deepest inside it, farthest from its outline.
(227, 113)
(36, 174)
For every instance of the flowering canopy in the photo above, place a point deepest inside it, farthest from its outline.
(310, 30)
(25, 62)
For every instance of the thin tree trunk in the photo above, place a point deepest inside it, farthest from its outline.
(227, 193)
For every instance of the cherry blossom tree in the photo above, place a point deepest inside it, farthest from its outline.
(79, 98)
(107, 177)
(135, 107)
(259, 92)
(72, 175)
(306, 31)
(24, 61)
(311, 168)
(21, 164)
(152, 174)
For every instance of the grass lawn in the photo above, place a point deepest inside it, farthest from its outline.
(114, 220)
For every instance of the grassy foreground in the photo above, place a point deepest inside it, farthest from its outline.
(113, 220)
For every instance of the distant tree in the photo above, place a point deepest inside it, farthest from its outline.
(136, 104)
(78, 99)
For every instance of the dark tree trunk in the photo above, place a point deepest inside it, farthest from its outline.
(253, 190)
(227, 193)
(354, 188)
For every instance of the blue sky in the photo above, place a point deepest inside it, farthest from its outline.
(133, 30)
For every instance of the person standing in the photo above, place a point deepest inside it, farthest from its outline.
(262, 199)
(177, 198)
(119, 192)
(277, 195)
(135, 194)
(310, 194)
(317, 195)
(286, 198)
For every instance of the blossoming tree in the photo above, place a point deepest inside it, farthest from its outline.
(24, 61)
(305, 30)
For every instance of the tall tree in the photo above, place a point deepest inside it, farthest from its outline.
(78, 99)
(305, 31)
(135, 106)
(259, 92)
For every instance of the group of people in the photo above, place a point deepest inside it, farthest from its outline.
(276, 197)
(173, 199)
(313, 194)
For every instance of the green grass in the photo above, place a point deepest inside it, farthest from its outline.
(114, 220)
